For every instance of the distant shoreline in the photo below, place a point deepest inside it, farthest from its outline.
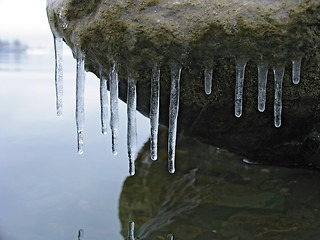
(16, 46)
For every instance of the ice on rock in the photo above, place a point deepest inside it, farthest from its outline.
(173, 115)
(278, 72)
(114, 111)
(296, 70)
(208, 80)
(80, 85)
(154, 111)
(131, 231)
(104, 104)
(58, 52)
(262, 85)
(132, 125)
(240, 69)
(170, 237)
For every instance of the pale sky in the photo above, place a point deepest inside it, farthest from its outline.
(25, 20)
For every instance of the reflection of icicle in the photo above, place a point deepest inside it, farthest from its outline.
(170, 237)
(240, 69)
(173, 116)
(262, 85)
(208, 80)
(80, 83)
(104, 105)
(58, 51)
(114, 111)
(132, 126)
(181, 196)
(154, 111)
(296, 69)
(80, 234)
(278, 78)
(131, 231)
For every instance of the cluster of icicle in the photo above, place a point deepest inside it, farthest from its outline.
(130, 233)
(154, 101)
(114, 113)
(278, 72)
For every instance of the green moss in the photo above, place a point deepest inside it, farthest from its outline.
(148, 3)
(79, 8)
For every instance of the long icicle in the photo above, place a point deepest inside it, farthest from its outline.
(173, 115)
(240, 69)
(58, 52)
(154, 111)
(104, 104)
(208, 80)
(132, 126)
(80, 85)
(296, 70)
(262, 85)
(114, 111)
(278, 72)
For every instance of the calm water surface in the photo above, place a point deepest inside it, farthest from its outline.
(48, 191)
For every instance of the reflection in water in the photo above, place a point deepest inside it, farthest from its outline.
(132, 237)
(214, 195)
(80, 234)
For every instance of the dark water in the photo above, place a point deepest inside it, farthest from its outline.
(213, 195)
(48, 191)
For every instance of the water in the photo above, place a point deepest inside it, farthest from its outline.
(214, 195)
(47, 190)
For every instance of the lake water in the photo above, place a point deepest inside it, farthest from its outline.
(48, 191)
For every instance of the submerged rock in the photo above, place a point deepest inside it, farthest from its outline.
(218, 197)
(212, 35)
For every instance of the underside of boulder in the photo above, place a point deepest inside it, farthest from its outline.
(201, 35)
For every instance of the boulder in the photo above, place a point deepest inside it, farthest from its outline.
(203, 36)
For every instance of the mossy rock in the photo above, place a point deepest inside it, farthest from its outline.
(197, 34)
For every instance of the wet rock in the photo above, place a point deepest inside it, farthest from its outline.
(210, 34)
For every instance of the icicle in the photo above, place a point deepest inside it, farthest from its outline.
(240, 69)
(131, 231)
(173, 115)
(154, 111)
(170, 237)
(114, 111)
(132, 126)
(296, 69)
(278, 79)
(80, 234)
(80, 84)
(58, 52)
(104, 104)
(208, 80)
(262, 85)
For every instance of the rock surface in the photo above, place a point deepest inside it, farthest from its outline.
(197, 34)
